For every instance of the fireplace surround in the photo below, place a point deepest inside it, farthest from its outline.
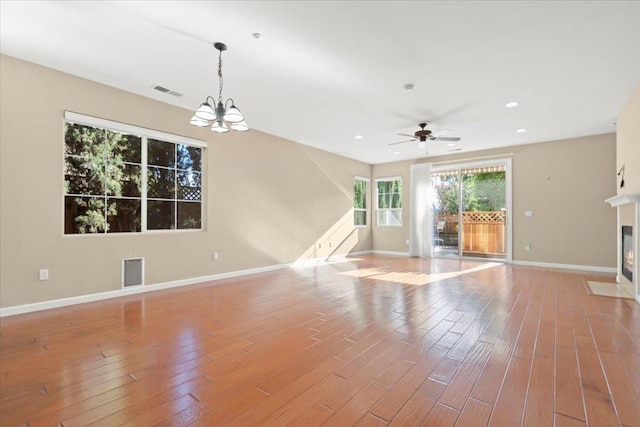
(628, 236)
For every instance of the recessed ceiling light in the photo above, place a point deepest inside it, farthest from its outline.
(523, 130)
(358, 137)
(408, 87)
(451, 144)
(396, 153)
(257, 36)
(511, 104)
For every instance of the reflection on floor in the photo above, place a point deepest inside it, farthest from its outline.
(451, 251)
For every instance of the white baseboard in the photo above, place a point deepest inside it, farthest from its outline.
(566, 266)
(358, 253)
(391, 253)
(63, 302)
(310, 262)
(318, 261)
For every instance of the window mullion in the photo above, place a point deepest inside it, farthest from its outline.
(143, 190)
(175, 186)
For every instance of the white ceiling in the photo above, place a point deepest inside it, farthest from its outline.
(327, 71)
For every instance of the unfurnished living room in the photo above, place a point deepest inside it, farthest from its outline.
(310, 213)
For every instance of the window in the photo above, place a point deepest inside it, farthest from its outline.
(124, 181)
(389, 201)
(174, 185)
(360, 201)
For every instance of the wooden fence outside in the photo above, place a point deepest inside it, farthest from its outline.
(482, 232)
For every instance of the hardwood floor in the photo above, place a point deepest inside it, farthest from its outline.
(372, 341)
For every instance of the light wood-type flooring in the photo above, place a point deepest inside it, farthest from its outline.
(370, 341)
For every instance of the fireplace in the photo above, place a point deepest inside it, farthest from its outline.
(627, 252)
(628, 211)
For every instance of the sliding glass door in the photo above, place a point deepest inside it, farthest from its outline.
(470, 210)
(484, 212)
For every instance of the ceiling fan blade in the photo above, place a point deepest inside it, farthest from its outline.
(406, 134)
(441, 132)
(446, 138)
(401, 142)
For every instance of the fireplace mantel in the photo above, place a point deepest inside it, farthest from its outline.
(623, 199)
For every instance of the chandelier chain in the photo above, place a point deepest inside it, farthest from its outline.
(220, 76)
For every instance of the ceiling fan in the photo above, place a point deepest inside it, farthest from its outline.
(423, 135)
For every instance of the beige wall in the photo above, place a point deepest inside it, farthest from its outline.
(563, 182)
(628, 143)
(269, 200)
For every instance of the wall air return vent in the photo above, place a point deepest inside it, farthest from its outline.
(165, 90)
(132, 272)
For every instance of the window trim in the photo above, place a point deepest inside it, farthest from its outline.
(366, 199)
(378, 209)
(82, 119)
(145, 134)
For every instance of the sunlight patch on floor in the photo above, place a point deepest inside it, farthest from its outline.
(415, 279)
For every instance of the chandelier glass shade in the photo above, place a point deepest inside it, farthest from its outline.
(220, 115)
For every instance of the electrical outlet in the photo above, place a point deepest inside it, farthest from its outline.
(528, 214)
(407, 241)
(43, 274)
(216, 256)
(527, 247)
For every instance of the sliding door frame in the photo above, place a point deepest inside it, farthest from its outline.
(506, 162)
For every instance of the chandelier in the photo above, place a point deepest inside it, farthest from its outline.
(223, 112)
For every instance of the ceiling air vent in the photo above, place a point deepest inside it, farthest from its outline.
(165, 90)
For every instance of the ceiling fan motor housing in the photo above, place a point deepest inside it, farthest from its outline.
(423, 134)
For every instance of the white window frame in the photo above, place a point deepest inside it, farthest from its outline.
(145, 134)
(366, 202)
(388, 210)
(82, 119)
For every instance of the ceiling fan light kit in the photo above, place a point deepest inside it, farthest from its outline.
(224, 111)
